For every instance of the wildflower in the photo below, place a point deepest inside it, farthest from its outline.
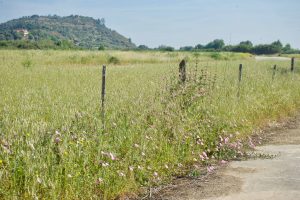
(31, 146)
(70, 176)
(112, 157)
(226, 140)
(143, 154)
(180, 165)
(202, 157)
(57, 133)
(105, 164)
(139, 167)
(99, 181)
(121, 174)
(131, 168)
(155, 174)
(251, 144)
(39, 180)
(221, 139)
(166, 166)
(233, 145)
(224, 162)
(57, 140)
(136, 145)
(210, 169)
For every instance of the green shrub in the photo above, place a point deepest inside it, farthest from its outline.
(27, 63)
(113, 60)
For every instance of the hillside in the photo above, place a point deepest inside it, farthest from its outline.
(84, 32)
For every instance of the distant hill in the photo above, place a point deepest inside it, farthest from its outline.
(84, 32)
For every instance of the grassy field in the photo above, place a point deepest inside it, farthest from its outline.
(52, 142)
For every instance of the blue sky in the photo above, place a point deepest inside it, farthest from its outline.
(178, 22)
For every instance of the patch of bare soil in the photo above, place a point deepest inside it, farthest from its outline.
(208, 186)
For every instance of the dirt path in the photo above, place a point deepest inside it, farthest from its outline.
(270, 58)
(275, 178)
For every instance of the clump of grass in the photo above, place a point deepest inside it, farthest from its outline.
(27, 63)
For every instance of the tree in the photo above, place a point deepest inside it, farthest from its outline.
(187, 48)
(246, 43)
(143, 47)
(287, 48)
(165, 48)
(244, 46)
(101, 47)
(217, 44)
(199, 46)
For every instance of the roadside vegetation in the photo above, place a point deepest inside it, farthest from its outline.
(52, 142)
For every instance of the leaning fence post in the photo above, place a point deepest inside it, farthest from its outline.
(274, 71)
(240, 79)
(103, 97)
(182, 71)
(292, 64)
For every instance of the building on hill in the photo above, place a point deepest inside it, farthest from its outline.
(24, 32)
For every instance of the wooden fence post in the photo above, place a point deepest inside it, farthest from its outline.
(292, 64)
(240, 72)
(240, 79)
(182, 71)
(103, 96)
(274, 71)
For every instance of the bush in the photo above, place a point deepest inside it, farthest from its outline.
(216, 56)
(113, 60)
(101, 48)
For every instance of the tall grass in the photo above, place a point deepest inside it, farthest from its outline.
(52, 143)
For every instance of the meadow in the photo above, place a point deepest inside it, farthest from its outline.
(53, 146)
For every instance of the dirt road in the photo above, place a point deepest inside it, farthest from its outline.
(270, 58)
(276, 178)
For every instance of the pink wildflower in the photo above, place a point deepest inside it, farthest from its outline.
(112, 157)
(57, 140)
(226, 140)
(224, 162)
(210, 169)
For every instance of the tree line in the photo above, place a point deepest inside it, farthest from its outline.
(217, 45)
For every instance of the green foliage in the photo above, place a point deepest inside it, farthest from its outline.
(101, 48)
(113, 60)
(216, 56)
(217, 44)
(186, 48)
(27, 63)
(84, 32)
(143, 47)
(165, 48)
(40, 44)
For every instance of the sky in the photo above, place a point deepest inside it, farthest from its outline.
(178, 22)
